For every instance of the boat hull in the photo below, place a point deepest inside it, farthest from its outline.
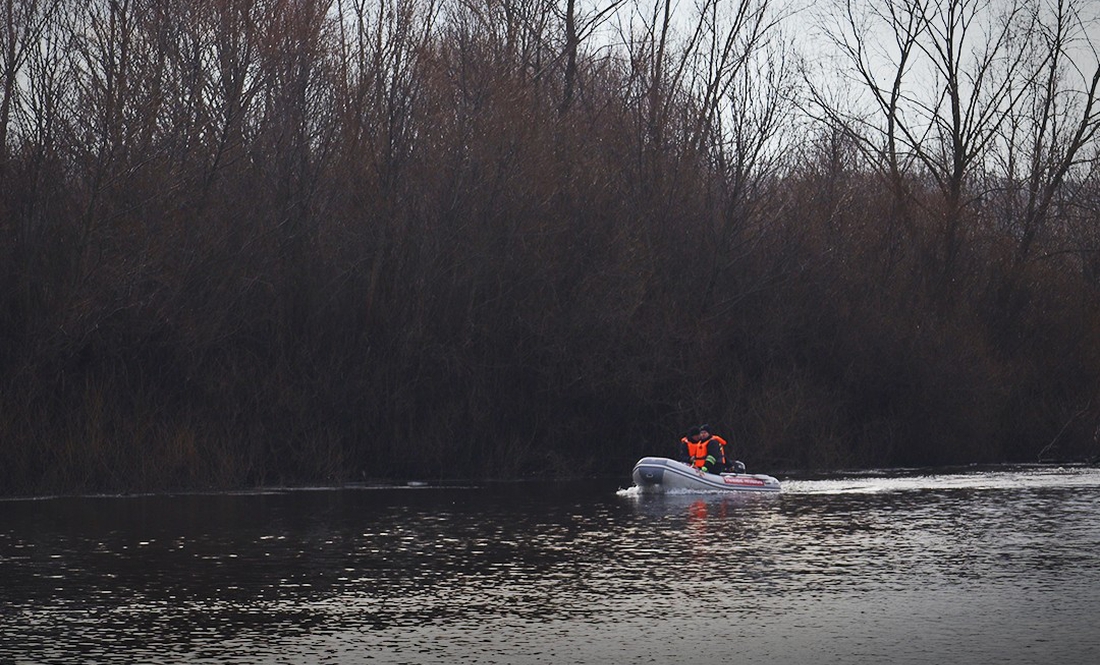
(660, 474)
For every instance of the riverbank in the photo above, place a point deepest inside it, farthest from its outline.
(300, 248)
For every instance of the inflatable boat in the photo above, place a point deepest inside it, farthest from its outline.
(660, 474)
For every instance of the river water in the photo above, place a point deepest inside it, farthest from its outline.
(975, 566)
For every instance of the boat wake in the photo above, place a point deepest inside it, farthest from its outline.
(909, 480)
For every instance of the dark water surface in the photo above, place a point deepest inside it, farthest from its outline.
(976, 567)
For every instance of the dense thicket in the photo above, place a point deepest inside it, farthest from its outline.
(280, 241)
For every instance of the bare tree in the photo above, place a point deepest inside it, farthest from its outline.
(1047, 143)
(578, 27)
(977, 89)
(22, 25)
(882, 71)
(381, 53)
(952, 74)
(1050, 135)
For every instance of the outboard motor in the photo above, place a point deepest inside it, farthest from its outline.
(737, 467)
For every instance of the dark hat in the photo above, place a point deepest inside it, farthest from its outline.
(694, 431)
(704, 427)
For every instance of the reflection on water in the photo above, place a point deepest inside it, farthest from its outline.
(977, 567)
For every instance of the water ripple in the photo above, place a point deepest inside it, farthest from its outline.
(863, 568)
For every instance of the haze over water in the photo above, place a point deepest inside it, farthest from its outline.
(974, 566)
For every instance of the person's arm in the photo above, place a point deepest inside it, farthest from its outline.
(727, 454)
(682, 453)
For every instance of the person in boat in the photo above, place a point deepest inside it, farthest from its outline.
(726, 461)
(715, 445)
(703, 450)
(687, 442)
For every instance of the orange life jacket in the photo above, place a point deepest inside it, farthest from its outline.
(721, 448)
(698, 452)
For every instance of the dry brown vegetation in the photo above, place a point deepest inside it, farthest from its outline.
(252, 242)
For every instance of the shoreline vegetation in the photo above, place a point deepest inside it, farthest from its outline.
(275, 242)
